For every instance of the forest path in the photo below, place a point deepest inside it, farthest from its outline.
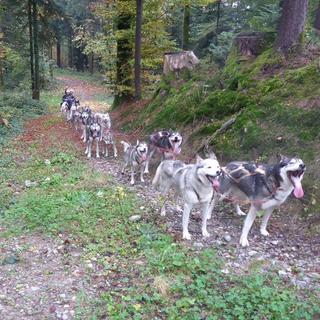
(53, 277)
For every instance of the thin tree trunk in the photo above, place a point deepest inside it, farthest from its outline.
(218, 20)
(291, 26)
(186, 28)
(36, 91)
(91, 63)
(316, 23)
(137, 53)
(31, 45)
(58, 53)
(1, 73)
(70, 50)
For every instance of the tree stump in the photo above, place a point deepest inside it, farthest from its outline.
(176, 61)
(251, 44)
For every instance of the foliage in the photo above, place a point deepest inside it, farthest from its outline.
(15, 108)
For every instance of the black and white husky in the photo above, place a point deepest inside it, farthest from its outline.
(195, 183)
(135, 157)
(264, 187)
(168, 143)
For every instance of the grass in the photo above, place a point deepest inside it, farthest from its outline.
(151, 275)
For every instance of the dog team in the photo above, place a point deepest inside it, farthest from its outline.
(263, 187)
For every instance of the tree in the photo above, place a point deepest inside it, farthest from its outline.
(137, 53)
(186, 27)
(291, 26)
(316, 23)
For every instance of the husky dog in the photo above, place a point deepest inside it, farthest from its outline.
(135, 156)
(107, 136)
(86, 119)
(77, 118)
(265, 187)
(165, 142)
(195, 183)
(93, 133)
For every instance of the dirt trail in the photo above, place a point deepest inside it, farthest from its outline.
(45, 285)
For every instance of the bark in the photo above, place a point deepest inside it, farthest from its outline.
(218, 20)
(291, 26)
(58, 53)
(137, 52)
(36, 90)
(316, 23)
(31, 54)
(70, 50)
(123, 68)
(186, 27)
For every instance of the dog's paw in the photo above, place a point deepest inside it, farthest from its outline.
(244, 242)
(264, 232)
(163, 213)
(205, 234)
(146, 171)
(186, 236)
(98, 156)
(132, 182)
(179, 209)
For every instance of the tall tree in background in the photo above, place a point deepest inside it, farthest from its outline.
(35, 27)
(316, 23)
(291, 25)
(124, 55)
(137, 53)
(186, 27)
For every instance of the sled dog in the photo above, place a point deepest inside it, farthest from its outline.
(135, 156)
(167, 143)
(264, 187)
(195, 183)
(93, 133)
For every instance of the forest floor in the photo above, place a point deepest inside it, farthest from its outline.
(72, 267)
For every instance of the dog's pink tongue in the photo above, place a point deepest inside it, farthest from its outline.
(298, 191)
(215, 184)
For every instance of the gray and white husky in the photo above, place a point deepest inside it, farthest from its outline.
(106, 134)
(93, 133)
(264, 187)
(195, 183)
(135, 156)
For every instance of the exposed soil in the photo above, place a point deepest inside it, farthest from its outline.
(49, 275)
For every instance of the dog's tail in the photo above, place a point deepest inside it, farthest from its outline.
(126, 145)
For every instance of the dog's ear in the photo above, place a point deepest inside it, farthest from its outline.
(198, 159)
(138, 142)
(212, 155)
(282, 158)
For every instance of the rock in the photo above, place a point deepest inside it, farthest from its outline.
(29, 183)
(252, 253)
(47, 162)
(282, 273)
(274, 242)
(198, 245)
(227, 238)
(225, 271)
(135, 218)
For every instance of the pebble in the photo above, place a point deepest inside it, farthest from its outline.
(135, 218)
(274, 242)
(282, 273)
(198, 245)
(252, 253)
(227, 238)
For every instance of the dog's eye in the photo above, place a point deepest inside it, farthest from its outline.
(209, 167)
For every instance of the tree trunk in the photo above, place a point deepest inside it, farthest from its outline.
(91, 62)
(124, 55)
(36, 90)
(316, 23)
(186, 28)
(218, 20)
(31, 53)
(291, 26)
(58, 53)
(70, 50)
(137, 52)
